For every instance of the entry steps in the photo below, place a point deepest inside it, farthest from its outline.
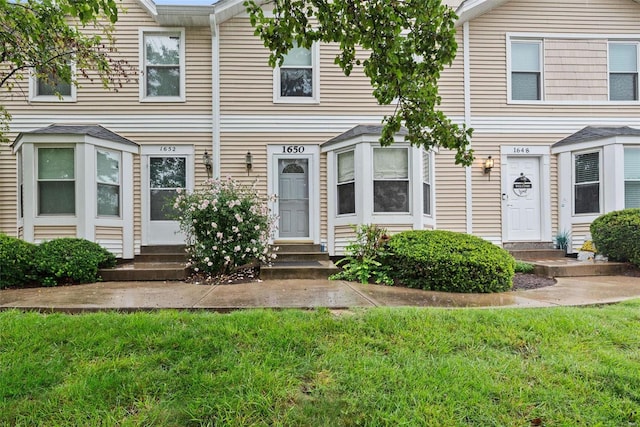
(155, 263)
(168, 262)
(299, 261)
(551, 262)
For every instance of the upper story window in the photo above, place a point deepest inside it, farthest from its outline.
(297, 79)
(587, 183)
(50, 88)
(526, 70)
(623, 71)
(108, 183)
(346, 183)
(56, 181)
(391, 180)
(163, 57)
(632, 177)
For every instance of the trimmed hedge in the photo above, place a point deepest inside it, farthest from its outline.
(441, 260)
(70, 260)
(17, 266)
(617, 235)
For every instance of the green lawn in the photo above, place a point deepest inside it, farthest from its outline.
(551, 367)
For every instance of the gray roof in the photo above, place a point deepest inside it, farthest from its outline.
(361, 130)
(593, 133)
(95, 131)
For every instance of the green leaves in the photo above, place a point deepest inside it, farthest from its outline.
(409, 42)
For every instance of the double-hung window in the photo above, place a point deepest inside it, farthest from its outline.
(526, 70)
(632, 177)
(346, 183)
(108, 183)
(587, 183)
(297, 79)
(623, 71)
(163, 62)
(49, 87)
(426, 183)
(390, 180)
(56, 181)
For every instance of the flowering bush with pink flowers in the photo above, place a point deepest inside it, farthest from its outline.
(227, 225)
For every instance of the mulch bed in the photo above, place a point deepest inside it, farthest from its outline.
(524, 282)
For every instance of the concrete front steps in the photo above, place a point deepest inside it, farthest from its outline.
(155, 263)
(551, 262)
(298, 261)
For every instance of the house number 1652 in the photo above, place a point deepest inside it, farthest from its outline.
(293, 149)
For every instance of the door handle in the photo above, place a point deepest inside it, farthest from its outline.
(505, 196)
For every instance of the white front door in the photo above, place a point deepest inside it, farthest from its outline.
(523, 199)
(293, 197)
(164, 174)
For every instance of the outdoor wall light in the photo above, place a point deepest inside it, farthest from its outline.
(488, 165)
(208, 164)
(248, 160)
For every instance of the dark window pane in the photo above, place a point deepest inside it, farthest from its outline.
(163, 81)
(391, 196)
(587, 167)
(162, 205)
(168, 172)
(525, 86)
(632, 194)
(587, 198)
(623, 86)
(426, 199)
(56, 197)
(296, 82)
(53, 88)
(108, 200)
(346, 198)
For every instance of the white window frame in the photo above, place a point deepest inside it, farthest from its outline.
(169, 31)
(38, 213)
(315, 67)
(573, 182)
(637, 94)
(428, 160)
(408, 180)
(33, 89)
(119, 184)
(625, 179)
(510, 42)
(353, 181)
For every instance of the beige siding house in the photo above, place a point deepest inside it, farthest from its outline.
(550, 88)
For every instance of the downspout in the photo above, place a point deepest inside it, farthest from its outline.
(215, 95)
(467, 122)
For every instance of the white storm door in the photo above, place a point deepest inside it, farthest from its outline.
(293, 197)
(164, 176)
(522, 198)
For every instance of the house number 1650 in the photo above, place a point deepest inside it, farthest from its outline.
(293, 149)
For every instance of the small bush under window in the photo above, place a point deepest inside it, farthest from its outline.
(17, 266)
(617, 235)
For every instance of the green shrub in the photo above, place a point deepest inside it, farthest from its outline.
(364, 260)
(617, 235)
(446, 261)
(69, 260)
(524, 267)
(16, 262)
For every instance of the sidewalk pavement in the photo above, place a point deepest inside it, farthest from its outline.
(132, 296)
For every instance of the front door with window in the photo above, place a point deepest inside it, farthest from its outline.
(293, 197)
(165, 175)
(523, 199)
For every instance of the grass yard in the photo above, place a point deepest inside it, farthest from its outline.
(526, 367)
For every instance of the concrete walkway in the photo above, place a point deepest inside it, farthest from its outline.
(131, 296)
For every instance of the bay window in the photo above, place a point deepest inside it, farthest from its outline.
(587, 183)
(632, 177)
(426, 183)
(56, 181)
(346, 183)
(108, 183)
(390, 180)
